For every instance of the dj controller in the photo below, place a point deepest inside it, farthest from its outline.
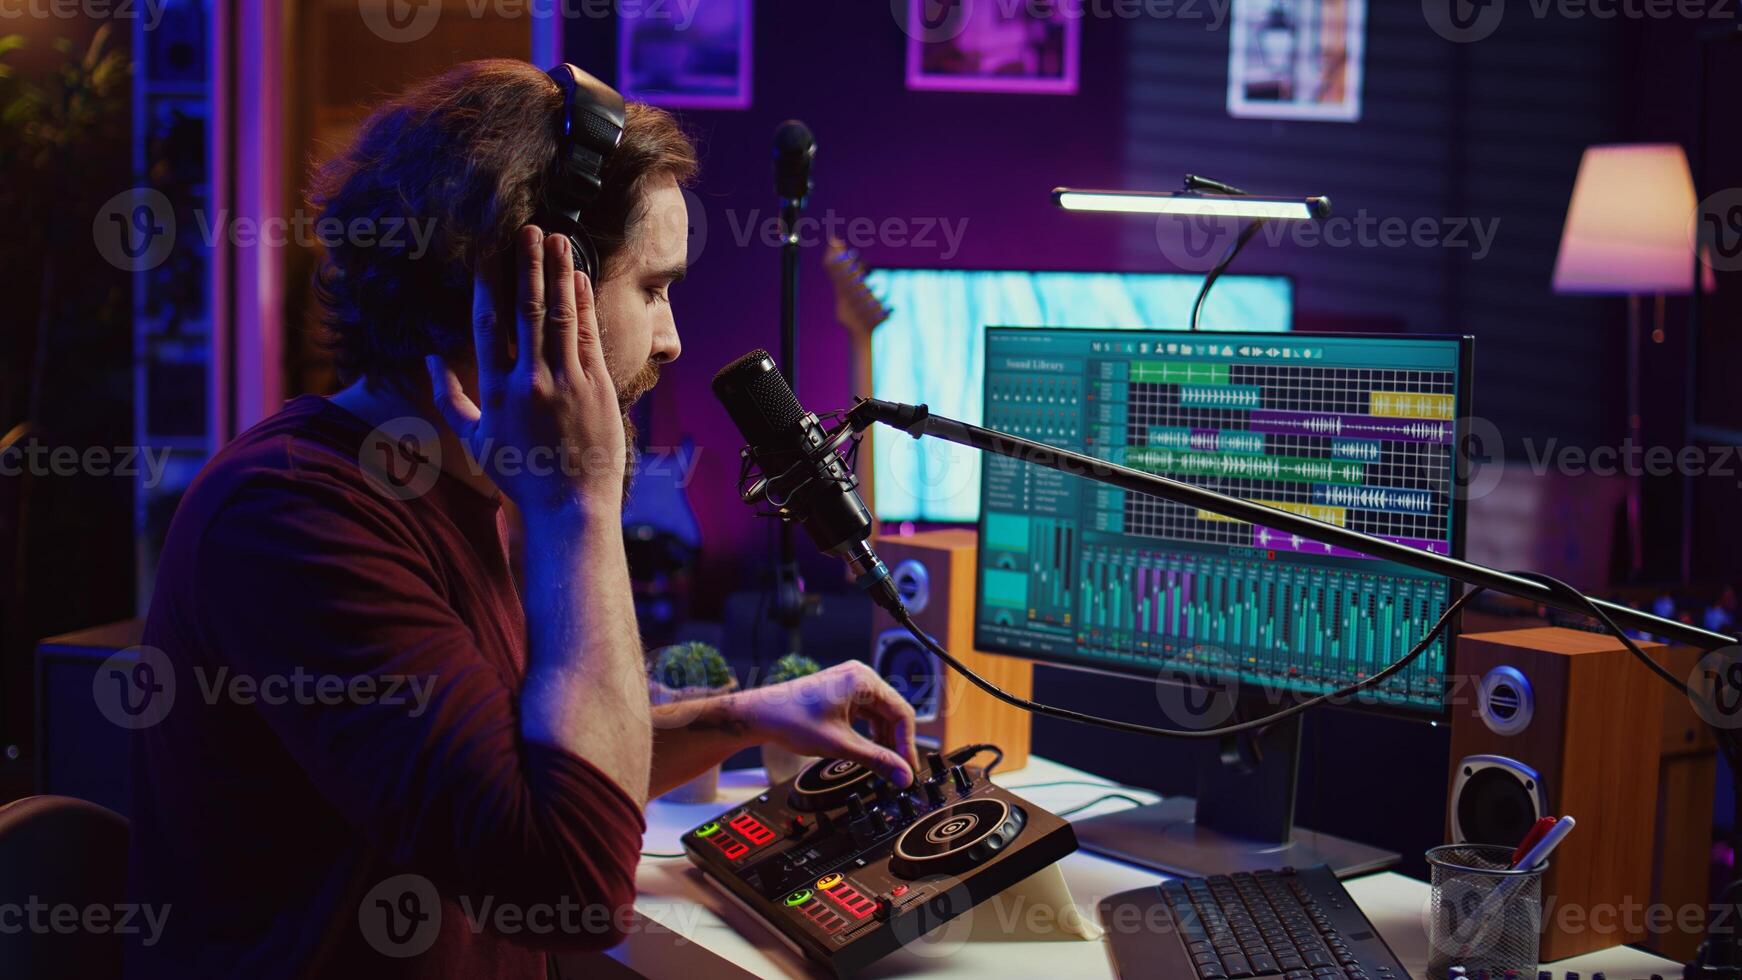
(847, 868)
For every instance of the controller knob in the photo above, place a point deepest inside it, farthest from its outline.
(963, 781)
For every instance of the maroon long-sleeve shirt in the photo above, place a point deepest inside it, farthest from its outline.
(339, 786)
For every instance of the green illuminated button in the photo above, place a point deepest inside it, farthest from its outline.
(799, 897)
(708, 829)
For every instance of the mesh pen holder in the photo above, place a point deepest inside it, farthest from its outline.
(1482, 914)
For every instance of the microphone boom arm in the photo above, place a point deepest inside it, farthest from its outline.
(918, 420)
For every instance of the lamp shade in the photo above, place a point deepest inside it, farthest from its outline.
(1629, 226)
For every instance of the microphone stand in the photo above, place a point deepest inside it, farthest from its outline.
(790, 601)
(917, 421)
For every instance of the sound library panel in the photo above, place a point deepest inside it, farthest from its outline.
(1352, 431)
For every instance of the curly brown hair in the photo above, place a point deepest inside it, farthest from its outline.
(465, 154)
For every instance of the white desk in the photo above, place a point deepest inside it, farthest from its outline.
(712, 935)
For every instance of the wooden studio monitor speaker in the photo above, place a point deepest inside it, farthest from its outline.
(1555, 722)
(935, 572)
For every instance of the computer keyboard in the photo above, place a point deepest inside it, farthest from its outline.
(1297, 924)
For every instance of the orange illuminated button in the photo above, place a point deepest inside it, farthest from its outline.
(827, 882)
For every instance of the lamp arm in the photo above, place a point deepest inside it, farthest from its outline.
(1246, 234)
(918, 420)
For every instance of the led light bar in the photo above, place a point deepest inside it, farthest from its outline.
(1193, 203)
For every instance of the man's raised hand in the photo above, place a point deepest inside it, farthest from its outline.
(547, 427)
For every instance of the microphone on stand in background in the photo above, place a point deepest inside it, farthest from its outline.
(795, 150)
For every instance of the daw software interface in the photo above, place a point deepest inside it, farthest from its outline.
(1353, 430)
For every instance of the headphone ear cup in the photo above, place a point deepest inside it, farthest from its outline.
(581, 244)
(586, 255)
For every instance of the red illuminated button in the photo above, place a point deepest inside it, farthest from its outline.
(898, 890)
(751, 828)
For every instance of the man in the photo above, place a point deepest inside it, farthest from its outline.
(382, 759)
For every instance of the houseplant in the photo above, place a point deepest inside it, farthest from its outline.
(781, 763)
(686, 672)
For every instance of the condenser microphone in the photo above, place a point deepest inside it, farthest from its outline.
(800, 474)
(794, 151)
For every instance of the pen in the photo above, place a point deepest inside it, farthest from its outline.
(1539, 853)
(1537, 829)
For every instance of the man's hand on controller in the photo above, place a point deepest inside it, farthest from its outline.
(814, 715)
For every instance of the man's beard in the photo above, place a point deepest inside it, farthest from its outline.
(628, 393)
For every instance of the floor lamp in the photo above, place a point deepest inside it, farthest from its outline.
(1628, 232)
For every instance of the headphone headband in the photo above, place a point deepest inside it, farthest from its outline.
(589, 128)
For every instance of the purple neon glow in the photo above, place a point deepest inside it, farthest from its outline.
(701, 63)
(1023, 49)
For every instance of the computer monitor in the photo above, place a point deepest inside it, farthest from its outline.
(930, 351)
(1354, 430)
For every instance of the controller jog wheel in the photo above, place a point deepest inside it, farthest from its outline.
(957, 838)
(827, 783)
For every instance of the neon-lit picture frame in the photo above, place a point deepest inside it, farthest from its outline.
(968, 46)
(686, 56)
(1297, 59)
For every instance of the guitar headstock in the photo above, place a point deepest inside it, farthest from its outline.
(856, 306)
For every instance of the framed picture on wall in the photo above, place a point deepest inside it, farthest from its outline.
(1296, 59)
(980, 46)
(685, 55)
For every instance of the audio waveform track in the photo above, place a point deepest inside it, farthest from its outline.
(1289, 440)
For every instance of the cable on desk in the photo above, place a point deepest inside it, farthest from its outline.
(961, 756)
(1099, 800)
(1075, 782)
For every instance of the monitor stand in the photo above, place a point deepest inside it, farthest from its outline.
(1242, 819)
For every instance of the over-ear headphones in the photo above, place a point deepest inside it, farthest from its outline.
(588, 128)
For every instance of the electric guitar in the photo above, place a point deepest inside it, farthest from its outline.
(860, 311)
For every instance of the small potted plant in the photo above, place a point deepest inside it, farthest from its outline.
(781, 763)
(686, 672)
